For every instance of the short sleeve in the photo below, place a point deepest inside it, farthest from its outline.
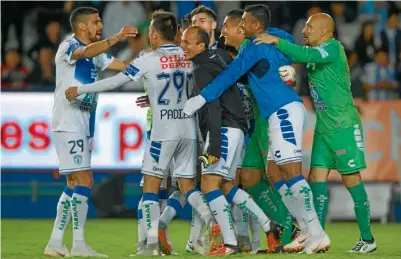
(103, 61)
(66, 49)
(137, 68)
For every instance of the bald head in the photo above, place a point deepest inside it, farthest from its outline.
(194, 40)
(318, 29)
(200, 34)
(325, 21)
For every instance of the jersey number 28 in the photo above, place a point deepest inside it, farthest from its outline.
(178, 79)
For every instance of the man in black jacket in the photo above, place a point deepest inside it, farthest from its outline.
(225, 125)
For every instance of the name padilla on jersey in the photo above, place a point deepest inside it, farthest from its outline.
(173, 114)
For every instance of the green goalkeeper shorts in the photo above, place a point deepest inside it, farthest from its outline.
(258, 147)
(341, 150)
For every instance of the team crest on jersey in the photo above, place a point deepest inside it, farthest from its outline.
(77, 159)
(320, 105)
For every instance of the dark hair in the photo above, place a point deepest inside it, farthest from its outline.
(186, 21)
(378, 50)
(166, 24)
(77, 14)
(261, 13)
(206, 10)
(202, 36)
(235, 13)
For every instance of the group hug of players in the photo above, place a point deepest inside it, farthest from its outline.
(244, 120)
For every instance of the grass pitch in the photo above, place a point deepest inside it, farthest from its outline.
(23, 239)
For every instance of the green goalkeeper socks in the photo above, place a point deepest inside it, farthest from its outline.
(264, 198)
(286, 238)
(362, 211)
(271, 204)
(320, 200)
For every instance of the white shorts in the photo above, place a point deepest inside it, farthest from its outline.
(163, 185)
(159, 155)
(232, 143)
(286, 127)
(73, 151)
(243, 150)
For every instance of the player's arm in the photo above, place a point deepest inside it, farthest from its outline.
(301, 54)
(97, 48)
(131, 72)
(213, 109)
(245, 60)
(118, 65)
(248, 57)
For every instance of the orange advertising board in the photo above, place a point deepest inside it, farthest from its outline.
(382, 133)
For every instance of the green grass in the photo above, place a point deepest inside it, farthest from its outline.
(27, 238)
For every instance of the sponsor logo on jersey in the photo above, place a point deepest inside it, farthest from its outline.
(318, 102)
(174, 61)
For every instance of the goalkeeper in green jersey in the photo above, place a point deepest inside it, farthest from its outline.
(250, 176)
(338, 138)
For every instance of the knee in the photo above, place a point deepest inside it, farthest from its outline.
(318, 175)
(83, 178)
(351, 180)
(250, 178)
(185, 185)
(70, 182)
(226, 187)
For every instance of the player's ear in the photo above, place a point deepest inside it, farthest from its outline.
(82, 26)
(214, 25)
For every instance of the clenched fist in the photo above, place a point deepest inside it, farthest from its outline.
(71, 93)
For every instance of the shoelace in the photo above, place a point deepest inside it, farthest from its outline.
(358, 246)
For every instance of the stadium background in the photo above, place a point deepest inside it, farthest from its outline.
(31, 32)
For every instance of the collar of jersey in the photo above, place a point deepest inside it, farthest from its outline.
(168, 46)
(80, 42)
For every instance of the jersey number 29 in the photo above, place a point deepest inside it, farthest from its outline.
(178, 79)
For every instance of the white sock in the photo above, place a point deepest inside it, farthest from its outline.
(141, 225)
(222, 213)
(63, 217)
(175, 203)
(289, 201)
(304, 198)
(151, 214)
(248, 205)
(197, 200)
(255, 231)
(79, 205)
(196, 227)
(241, 221)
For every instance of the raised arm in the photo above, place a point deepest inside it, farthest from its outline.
(325, 53)
(97, 48)
(248, 57)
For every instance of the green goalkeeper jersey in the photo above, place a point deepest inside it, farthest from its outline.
(329, 83)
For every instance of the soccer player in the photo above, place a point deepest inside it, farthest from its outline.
(204, 17)
(254, 163)
(78, 61)
(284, 110)
(226, 125)
(173, 136)
(338, 139)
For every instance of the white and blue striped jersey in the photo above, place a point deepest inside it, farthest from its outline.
(167, 77)
(79, 115)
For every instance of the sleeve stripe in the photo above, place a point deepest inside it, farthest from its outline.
(71, 48)
(323, 52)
(130, 70)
